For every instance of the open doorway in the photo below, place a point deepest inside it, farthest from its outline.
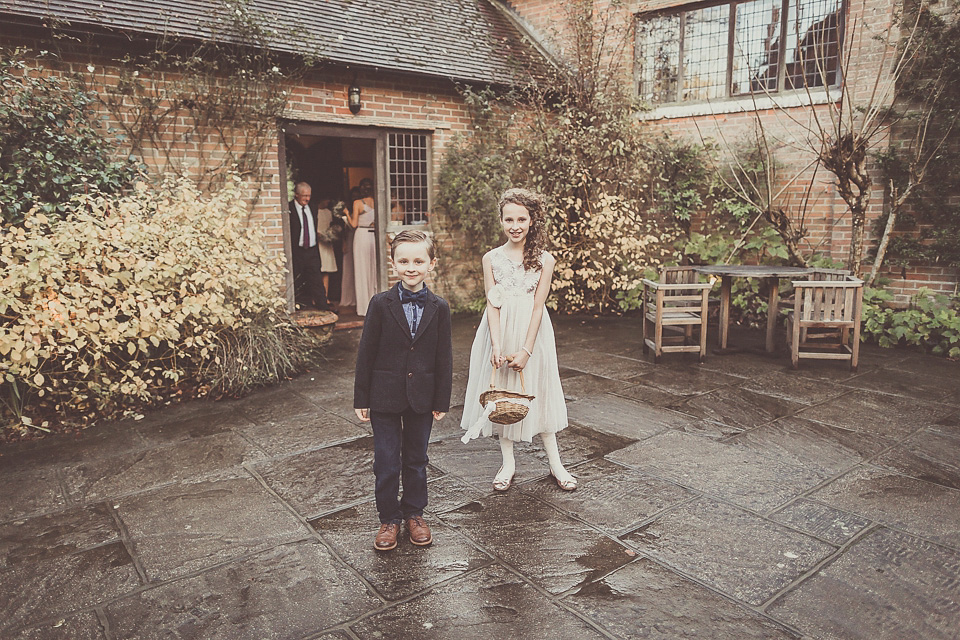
(337, 167)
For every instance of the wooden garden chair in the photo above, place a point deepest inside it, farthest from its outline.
(681, 305)
(825, 321)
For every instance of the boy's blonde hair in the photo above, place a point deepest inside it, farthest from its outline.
(410, 235)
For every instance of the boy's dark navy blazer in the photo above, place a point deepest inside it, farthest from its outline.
(395, 371)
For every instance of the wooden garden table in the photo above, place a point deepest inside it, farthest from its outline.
(771, 274)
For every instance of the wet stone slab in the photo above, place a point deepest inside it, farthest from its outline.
(489, 603)
(577, 385)
(949, 425)
(286, 592)
(736, 552)
(928, 456)
(185, 527)
(99, 441)
(477, 462)
(325, 480)
(688, 381)
(555, 551)
(922, 508)
(611, 497)
(134, 472)
(601, 364)
(458, 391)
(645, 600)
(738, 407)
(887, 586)
(32, 592)
(577, 445)
(407, 569)
(743, 365)
(82, 626)
(450, 493)
(910, 384)
(50, 536)
(835, 526)
(781, 384)
(619, 416)
(746, 478)
(274, 405)
(822, 448)
(645, 394)
(449, 426)
(312, 429)
(214, 419)
(877, 413)
(341, 404)
(30, 492)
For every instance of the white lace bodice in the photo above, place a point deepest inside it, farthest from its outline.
(513, 279)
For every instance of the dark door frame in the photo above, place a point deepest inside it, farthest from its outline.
(380, 185)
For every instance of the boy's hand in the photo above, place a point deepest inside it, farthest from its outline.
(438, 415)
(363, 414)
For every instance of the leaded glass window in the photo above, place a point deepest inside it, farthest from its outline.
(731, 49)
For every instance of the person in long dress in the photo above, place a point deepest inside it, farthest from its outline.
(515, 334)
(326, 236)
(364, 246)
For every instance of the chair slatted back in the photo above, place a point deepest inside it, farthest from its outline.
(681, 297)
(829, 301)
(679, 275)
(829, 275)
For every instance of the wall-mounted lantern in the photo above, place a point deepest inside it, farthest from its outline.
(353, 98)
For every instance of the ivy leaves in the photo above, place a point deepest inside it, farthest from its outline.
(51, 145)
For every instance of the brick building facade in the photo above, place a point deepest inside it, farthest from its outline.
(708, 113)
(407, 59)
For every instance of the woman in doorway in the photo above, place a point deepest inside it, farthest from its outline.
(364, 246)
(348, 296)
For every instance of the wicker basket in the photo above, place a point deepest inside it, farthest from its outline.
(505, 412)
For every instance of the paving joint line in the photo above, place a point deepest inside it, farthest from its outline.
(313, 533)
(816, 568)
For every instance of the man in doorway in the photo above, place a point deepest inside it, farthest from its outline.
(308, 286)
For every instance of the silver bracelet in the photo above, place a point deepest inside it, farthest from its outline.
(529, 353)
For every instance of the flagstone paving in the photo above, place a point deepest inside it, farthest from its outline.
(733, 499)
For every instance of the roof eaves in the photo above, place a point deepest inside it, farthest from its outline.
(554, 61)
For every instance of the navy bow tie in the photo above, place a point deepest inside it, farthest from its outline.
(418, 298)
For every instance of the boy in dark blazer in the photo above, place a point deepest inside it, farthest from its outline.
(403, 382)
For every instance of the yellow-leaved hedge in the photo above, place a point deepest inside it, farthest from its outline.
(130, 301)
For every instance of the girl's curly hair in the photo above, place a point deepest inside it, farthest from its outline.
(536, 205)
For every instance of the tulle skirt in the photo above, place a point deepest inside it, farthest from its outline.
(548, 412)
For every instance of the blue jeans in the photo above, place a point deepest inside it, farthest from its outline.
(400, 450)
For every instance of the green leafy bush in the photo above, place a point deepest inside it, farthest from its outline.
(51, 145)
(132, 301)
(932, 322)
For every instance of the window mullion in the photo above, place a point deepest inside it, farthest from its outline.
(680, 65)
(731, 34)
(782, 53)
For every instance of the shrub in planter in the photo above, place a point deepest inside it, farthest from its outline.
(135, 300)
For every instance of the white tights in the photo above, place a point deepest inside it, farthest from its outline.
(553, 458)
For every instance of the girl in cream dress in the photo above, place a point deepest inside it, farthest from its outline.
(515, 334)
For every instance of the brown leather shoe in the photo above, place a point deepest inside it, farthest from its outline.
(419, 531)
(387, 537)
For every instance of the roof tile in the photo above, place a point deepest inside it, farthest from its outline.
(468, 40)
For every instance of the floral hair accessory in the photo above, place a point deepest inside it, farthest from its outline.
(495, 296)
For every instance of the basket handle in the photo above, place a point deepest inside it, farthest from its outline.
(493, 374)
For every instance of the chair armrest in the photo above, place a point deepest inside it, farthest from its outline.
(678, 287)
